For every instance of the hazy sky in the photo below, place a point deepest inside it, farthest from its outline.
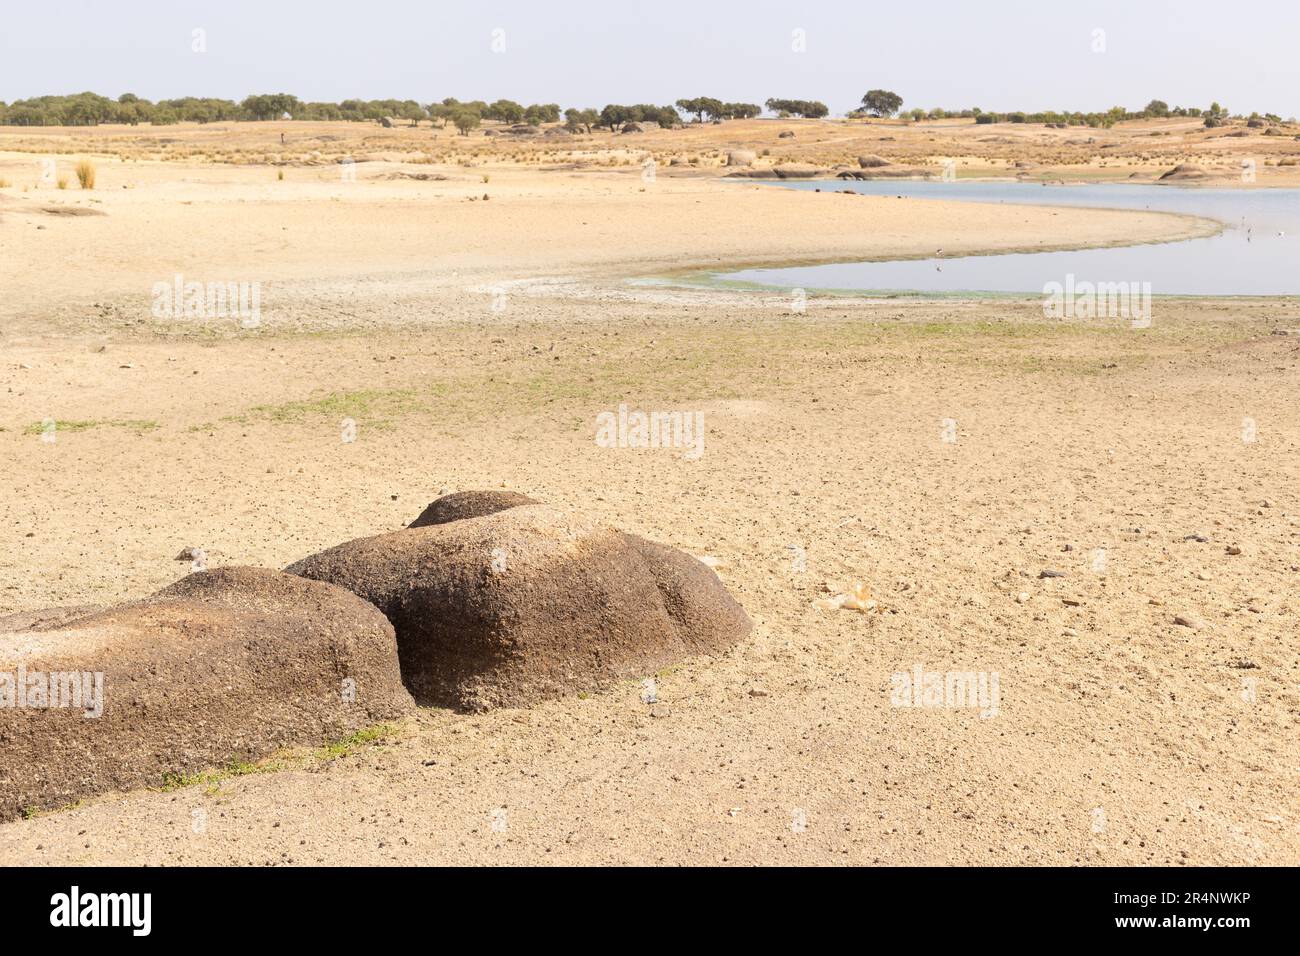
(998, 55)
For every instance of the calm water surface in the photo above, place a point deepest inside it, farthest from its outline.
(1258, 253)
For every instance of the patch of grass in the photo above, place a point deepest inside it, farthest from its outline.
(139, 426)
(212, 779)
(521, 380)
(86, 174)
(982, 329)
(31, 813)
(354, 742)
(376, 407)
(63, 182)
(173, 780)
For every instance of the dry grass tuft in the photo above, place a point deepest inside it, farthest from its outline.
(85, 174)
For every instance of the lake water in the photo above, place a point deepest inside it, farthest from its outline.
(1258, 253)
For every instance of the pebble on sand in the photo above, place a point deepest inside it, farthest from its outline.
(858, 598)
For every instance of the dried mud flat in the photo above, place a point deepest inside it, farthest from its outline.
(1090, 449)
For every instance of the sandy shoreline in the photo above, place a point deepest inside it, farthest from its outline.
(600, 226)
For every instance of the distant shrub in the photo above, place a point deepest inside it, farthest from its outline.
(466, 121)
(1216, 115)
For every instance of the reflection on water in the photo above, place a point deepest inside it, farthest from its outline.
(1258, 253)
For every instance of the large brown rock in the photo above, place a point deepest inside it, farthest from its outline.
(228, 664)
(531, 602)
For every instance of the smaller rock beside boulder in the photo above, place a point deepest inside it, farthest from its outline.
(224, 665)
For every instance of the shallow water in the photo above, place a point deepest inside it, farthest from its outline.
(1258, 253)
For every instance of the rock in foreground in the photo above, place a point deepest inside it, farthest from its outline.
(230, 664)
(531, 602)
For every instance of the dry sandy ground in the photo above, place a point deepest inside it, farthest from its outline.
(1087, 448)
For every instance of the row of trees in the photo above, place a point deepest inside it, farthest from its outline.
(616, 117)
(707, 107)
(810, 109)
(90, 109)
(887, 103)
(1216, 115)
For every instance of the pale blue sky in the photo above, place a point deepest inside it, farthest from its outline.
(998, 55)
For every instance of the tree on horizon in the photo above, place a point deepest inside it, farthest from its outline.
(882, 102)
